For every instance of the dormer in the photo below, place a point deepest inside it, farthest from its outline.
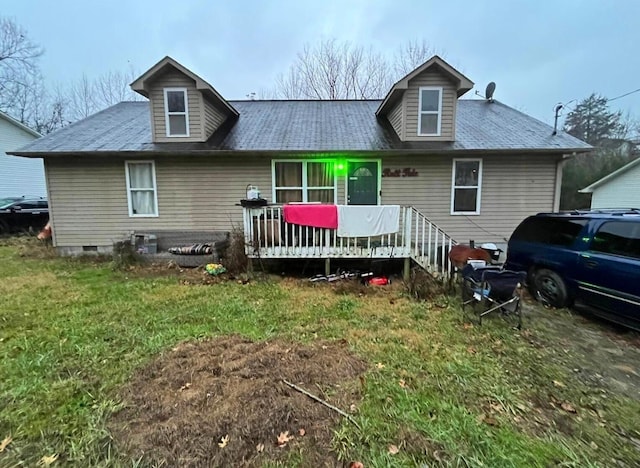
(183, 106)
(422, 105)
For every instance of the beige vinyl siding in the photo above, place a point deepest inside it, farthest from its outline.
(513, 187)
(213, 118)
(175, 79)
(395, 119)
(89, 197)
(411, 102)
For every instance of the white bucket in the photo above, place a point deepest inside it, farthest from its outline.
(253, 193)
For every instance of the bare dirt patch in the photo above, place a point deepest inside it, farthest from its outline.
(223, 403)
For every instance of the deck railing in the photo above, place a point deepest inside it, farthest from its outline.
(267, 235)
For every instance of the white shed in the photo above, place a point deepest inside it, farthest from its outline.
(620, 189)
(19, 176)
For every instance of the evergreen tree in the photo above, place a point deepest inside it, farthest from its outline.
(592, 122)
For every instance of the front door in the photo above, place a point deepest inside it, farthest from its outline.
(362, 183)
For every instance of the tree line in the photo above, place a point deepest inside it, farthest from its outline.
(614, 137)
(24, 96)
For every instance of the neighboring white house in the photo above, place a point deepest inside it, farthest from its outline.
(19, 176)
(620, 189)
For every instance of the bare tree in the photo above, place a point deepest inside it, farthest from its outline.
(410, 55)
(87, 96)
(113, 87)
(18, 63)
(341, 70)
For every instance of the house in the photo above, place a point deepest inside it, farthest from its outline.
(461, 169)
(19, 176)
(620, 189)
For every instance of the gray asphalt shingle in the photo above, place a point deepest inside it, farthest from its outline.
(307, 126)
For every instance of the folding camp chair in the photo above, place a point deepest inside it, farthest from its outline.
(494, 289)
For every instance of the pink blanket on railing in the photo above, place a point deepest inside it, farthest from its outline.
(321, 216)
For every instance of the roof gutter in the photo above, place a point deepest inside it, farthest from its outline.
(378, 152)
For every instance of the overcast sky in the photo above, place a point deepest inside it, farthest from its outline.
(539, 52)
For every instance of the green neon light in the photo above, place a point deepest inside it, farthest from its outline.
(340, 167)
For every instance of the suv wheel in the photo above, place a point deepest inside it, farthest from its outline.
(549, 288)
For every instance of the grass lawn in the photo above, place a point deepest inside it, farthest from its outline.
(73, 332)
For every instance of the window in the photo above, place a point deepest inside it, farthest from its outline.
(548, 230)
(430, 111)
(466, 181)
(304, 181)
(618, 238)
(176, 112)
(141, 189)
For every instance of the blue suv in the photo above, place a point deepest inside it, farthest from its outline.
(592, 257)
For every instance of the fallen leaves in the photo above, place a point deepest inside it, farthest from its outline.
(6, 441)
(380, 365)
(402, 383)
(567, 407)
(559, 384)
(496, 407)
(356, 464)
(48, 460)
(483, 418)
(283, 438)
(490, 421)
(302, 432)
(393, 449)
(224, 441)
(260, 448)
(186, 386)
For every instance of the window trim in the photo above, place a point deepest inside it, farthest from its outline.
(185, 113)
(440, 90)
(305, 187)
(454, 187)
(129, 189)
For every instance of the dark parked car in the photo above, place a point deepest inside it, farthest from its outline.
(592, 257)
(22, 213)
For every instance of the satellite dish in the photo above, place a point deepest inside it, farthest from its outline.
(488, 94)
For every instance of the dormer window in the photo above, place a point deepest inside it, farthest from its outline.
(176, 111)
(430, 111)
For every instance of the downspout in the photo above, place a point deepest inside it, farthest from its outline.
(47, 181)
(558, 182)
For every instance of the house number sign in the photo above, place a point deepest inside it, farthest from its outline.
(406, 172)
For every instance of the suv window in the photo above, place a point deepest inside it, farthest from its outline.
(27, 204)
(618, 238)
(554, 231)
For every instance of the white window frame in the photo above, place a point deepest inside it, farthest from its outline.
(129, 189)
(305, 188)
(185, 113)
(477, 187)
(438, 112)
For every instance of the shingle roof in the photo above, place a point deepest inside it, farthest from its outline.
(308, 126)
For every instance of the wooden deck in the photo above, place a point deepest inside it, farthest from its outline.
(268, 236)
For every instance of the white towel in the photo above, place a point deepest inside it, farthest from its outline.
(368, 220)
